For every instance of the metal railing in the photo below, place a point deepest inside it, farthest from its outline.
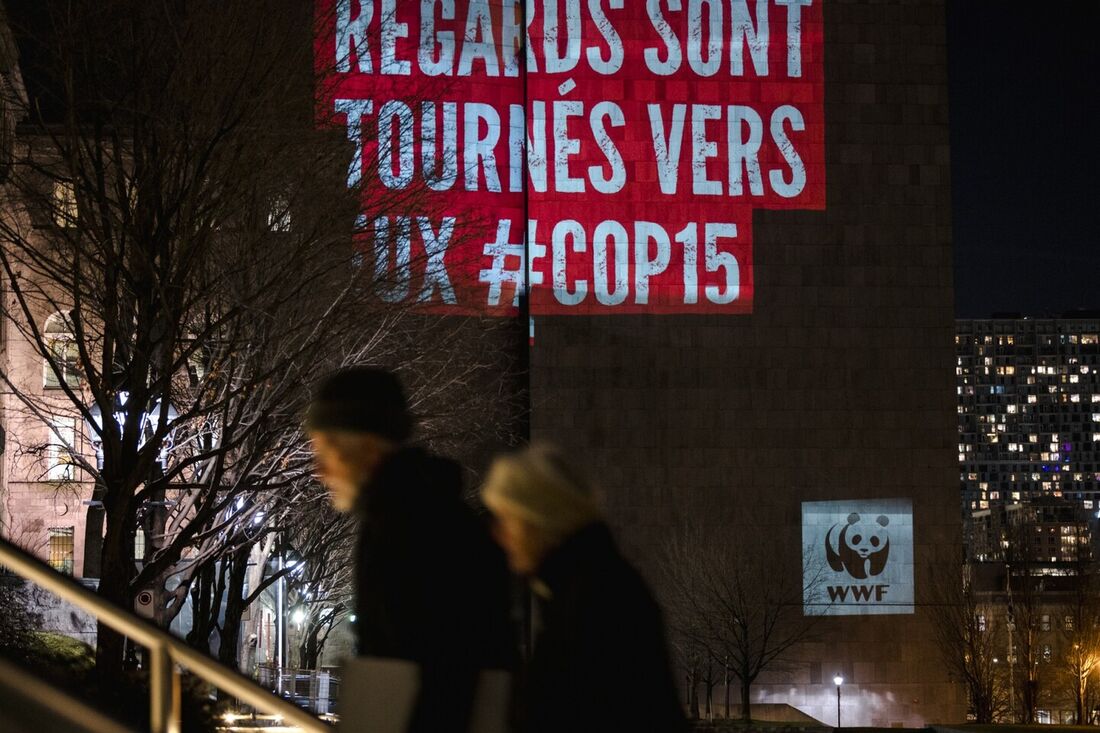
(166, 652)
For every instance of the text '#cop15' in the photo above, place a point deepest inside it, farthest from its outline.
(636, 138)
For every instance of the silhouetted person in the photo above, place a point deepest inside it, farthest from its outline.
(432, 587)
(600, 661)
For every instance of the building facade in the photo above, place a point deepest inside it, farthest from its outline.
(1029, 410)
(1029, 429)
(836, 390)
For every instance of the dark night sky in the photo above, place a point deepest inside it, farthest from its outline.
(1025, 138)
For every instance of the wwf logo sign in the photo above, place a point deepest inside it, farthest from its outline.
(858, 557)
(859, 548)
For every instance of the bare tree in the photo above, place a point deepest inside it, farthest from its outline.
(724, 594)
(1079, 625)
(183, 219)
(323, 589)
(970, 637)
(1024, 590)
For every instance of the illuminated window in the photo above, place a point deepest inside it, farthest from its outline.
(139, 544)
(64, 204)
(1047, 653)
(59, 456)
(1067, 622)
(278, 216)
(61, 549)
(57, 334)
(1044, 622)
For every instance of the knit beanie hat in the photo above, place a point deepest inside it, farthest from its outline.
(537, 484)
(361, 400)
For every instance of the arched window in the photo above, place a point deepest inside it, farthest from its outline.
(59, 340)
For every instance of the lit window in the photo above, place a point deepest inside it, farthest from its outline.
(61, 549)
(59, 452)
(139, 544)
(58, 337)
(278, 216)
(64, 204)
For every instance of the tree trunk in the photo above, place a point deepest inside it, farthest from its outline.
(693, 695)
(199, 635)
(114, 586)
(309, 651)
(229, 648)
(1082, 693)
(746, 712)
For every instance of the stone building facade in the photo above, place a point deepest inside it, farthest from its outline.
(44, 496)
(837, 387)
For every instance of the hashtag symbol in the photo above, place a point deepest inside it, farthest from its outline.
(505, 253)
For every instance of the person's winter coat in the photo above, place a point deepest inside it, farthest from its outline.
(432, 586)
(600, 661)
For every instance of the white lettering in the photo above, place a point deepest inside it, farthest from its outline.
(479, 24)
(606, 28)
(565, 147)
(709, 65)
(479, 151)
(673, 57)
(787, 189)
(567, 229)
(794, 35)
(432, 64)
(391, 31)
(667, 148)
(615, 182)
(399, 112)
(352, 35)
(756, 37)
(703, 149)
(613, 234)
(644, 266)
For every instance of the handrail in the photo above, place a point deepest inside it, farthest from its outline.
(37, 697)
(165, 651)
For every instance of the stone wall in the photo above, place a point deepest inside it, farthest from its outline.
(838, 386)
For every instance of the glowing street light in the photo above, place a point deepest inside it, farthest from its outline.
(838, 680)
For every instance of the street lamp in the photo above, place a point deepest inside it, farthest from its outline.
(838, 680)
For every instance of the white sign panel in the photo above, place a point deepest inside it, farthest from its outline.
(857, 557)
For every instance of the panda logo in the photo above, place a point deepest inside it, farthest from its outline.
(858, 547)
